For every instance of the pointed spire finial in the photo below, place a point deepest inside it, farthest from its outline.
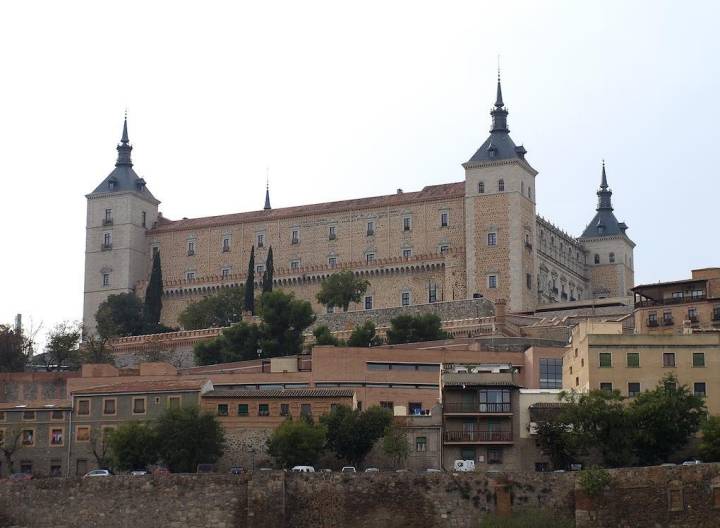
(499, 100)
(603, 182)
(124, 148)
(267, 189)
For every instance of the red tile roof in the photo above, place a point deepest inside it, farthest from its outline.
(36, 405)
(429, 193)
(145, 386)
(275, 394)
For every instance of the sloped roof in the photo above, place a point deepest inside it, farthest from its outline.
(125, 180)
(137, 387)
(36, 405)
(503, 145)
(284, 394)
(604, 224)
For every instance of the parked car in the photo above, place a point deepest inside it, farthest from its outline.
(138, 472)
(692, 462)
(372, 470)
(266, 469)
(401, 471)
(668, 464)
(348, 469)
(464, 465)
(17, 477)
(98, 473)
(206, 468)
(326, 470)
(303, 469)
(160, 471)
(236, 470)
(433, 470)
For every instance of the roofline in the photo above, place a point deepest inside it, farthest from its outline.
(93, 196)
(160, 391)
(669, 283)
(495, 163)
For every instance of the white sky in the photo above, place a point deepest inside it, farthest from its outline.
(347, 100)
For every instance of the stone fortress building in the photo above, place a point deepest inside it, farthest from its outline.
(480, 237)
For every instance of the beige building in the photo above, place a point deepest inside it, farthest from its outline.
(477, 237)
(600, 356)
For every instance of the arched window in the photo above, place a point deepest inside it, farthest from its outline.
(481, 187)
(597, 258)
(501, 185)
(612, 257)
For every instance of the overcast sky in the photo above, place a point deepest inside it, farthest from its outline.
(344, 100)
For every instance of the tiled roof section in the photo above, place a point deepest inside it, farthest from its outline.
(138, 387)
(284, 394)
(36, 405)
(548, 405)
(430, 193)
(125, 179)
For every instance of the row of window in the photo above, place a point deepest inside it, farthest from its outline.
(633, 388)
(109, 405)
(692, 315)
(108, 218)
(243, 409)
(632, 360)
(494, 455)
(424, 367)
(501, 188)
(27, 437)
(29, 416)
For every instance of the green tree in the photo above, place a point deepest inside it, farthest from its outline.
(10, 444)
(297, 443)
(240, 342)
(284, 319)
(323, 336)
(665, 419)
(415, 329)
(396, 444)
(13, 350)
(222, 309)
(100, 446)
(342, 288)
(558, 442)
(364, 336)
(120, 315)
(133, 445)
(250, 284)
(188, 438)
(267, 278)
(152, 308)
(94, 349)
(351, 433)
(63, 346)
(710, 444)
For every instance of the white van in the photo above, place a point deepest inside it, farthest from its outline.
(303, 469)
(464, 465)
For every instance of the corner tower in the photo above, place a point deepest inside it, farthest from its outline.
(500, 218)
(610, 250)
(119, 211)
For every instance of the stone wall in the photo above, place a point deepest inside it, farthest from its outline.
(33, 386)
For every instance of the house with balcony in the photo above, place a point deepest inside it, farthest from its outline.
(678, 307)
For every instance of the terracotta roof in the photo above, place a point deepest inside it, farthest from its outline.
(37, 405)
(274, 394)
(432, 192)
(145, 386)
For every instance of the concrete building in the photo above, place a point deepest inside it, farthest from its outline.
(477, 237)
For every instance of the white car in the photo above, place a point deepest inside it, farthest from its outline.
(692, 462)
(348, 469)
(464, 465)
(372, 470)
(303, 469)
(98, 473)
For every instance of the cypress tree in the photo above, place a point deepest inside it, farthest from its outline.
(267, 281)
(250, 284)
(153, 295)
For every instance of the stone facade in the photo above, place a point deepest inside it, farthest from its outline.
(454, 241)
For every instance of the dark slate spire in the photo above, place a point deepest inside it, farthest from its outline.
(604, 193)
(499, 113)
(267, 197)
(124, 148)
(604, 223)
(498, 100)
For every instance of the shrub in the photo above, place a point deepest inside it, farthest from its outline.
(593, 481)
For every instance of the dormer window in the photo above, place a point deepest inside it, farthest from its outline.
(111, 185)
(140, 184)
(501, 185)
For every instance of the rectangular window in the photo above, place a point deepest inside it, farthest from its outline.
(295, 236)
(56, 436)
(633, 389)
(284, 409)
(155, 251)
(82, 433)
(191, 248)
(406, 253)
(607, 387)
(443, 219)
(669, 359)
(699, 389)
(332, 262)
(26, 467)
(109, 406)
(467, 453)
(264, 409)
(222, 409)
(370, 258)
(698, 359)
(54, 415)
(494, 455)
(370, 228)
(106, 279)
(27, 437)
(406, 223)
(414, 408)
(107, 241)
(294, 264)
(259, 269)
(305, 409)
(492, 281)
(421, 444)
(432, 293)
(226, 244)
(387, 405)
(332, 235)
(492, 239)
(55, 468)
(28, 416)
(174, 402)
(144, 219)
(633, 359)
(444, 249)
(260, 240)
(692, 315)
(528, 281)
(605, 359)
(667, 319)
(243, 409)
(551, 373)
(108, 216)
(190, 275)
(368, 303)
(494, 401)
(83, 407)
(405, 299)
(138, 406)
(225, 273)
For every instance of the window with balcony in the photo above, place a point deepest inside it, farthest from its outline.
(190, 248)
(407, 225)
(370, 228)
(494, 401)
(492, 239)
(698, 359)
(633, 389)
(633, 359)
(421, 444)
(668, 359)
(444, 219)
(295, 236)
(332, 235)
(605, 359)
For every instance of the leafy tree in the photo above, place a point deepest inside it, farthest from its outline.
(351, 434)
(342, 288)
(710, 444)
(415, 328)
(10, 444)
(267, 278)
(62, 347)
(96, 349)
(133, 445)
(284, 319)
(396, 444)
(152, 308)
(250, 284)
(100, 445)
(558, 442)
(222, 309)
(323, 336)
(297, 443)
(364, 336)
(665, 419)
(14, 350)
(120, 315)
(187, 438)
(238, 343)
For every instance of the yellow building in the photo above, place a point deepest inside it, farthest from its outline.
(600, 356)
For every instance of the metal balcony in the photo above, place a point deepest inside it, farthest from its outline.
(478, 437)
(477, 408)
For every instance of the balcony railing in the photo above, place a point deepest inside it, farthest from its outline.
(670, 300)
(668, 321)
(478, 436)
(693, 319)
(106, 247)
(107, 221)
(652, 323)
(474, 407)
